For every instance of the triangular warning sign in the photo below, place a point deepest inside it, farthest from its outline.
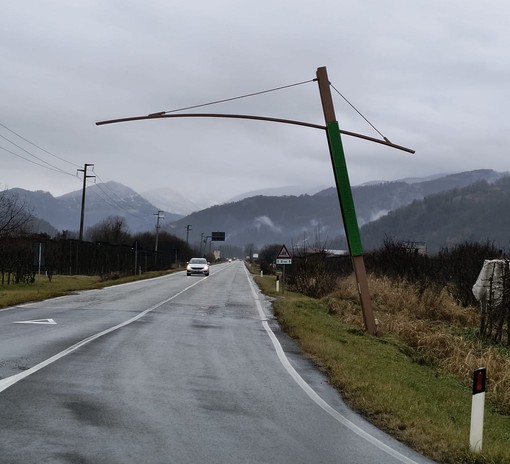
(283, 253)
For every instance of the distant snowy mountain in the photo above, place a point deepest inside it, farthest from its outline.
(101, 200)
(294, 190)
(170, 200)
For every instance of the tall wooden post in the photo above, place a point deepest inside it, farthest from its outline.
(345, 197)
(82, 215)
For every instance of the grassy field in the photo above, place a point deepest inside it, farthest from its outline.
(43, 289)
(393, 381)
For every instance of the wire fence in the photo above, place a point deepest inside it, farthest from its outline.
(21, 258)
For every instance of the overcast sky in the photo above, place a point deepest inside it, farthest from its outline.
(432, 75)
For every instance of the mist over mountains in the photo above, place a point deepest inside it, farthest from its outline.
(168, 199)
(402, 209)
(101, 201)
(474, 213)
(317, 218)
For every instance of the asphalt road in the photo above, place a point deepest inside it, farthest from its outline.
(172, 370)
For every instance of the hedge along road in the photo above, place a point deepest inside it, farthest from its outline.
(175, 369)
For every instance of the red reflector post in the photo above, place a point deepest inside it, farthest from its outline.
(477, 409)
(479, 380)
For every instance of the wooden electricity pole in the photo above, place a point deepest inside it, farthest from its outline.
(158, 218)
(85, 177)
(345, 197)
(339, 168)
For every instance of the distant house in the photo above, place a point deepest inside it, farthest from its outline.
(419, 248)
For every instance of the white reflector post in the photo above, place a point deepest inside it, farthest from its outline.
(477, 409)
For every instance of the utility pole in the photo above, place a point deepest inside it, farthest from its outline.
(188, 228)
(345, 197)
(201, 242)
(85, 177)
(158, 217)
(210, 243)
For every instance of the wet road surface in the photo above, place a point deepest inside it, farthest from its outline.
(172, 370)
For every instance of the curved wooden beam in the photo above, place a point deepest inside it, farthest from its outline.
(164, 115)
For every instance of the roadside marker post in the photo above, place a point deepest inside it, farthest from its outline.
(283, 258)
(477, 409)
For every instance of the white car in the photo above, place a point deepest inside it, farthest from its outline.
(197, 266)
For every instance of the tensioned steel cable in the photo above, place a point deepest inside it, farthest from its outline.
(236, 98)
(117, 203)
(53, 167)
(359, 112)
(38, 164)
(103, 195)
(167, 114)
(37, 146)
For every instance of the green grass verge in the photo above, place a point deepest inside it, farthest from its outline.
(42, 288)
(379, 378)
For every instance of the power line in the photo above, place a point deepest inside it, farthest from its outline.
(120, 205)
(37, 164)
(111, 201)
(40, 148)
(359, 112)
(32, 155)
(107, 187)
(99, 192)
(236, 98)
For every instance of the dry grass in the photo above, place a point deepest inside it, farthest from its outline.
(42, 288)
(439, 331)
(415, 382)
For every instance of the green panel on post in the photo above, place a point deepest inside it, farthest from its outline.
(344, 190)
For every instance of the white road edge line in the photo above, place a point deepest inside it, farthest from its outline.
(311, 392)
(9, 381)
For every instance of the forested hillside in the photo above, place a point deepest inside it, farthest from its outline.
(474, 213)
(315, 218)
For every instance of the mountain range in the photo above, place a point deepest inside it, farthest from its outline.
(316, 219)
(382, 209)
(474, 213)
(101, 200)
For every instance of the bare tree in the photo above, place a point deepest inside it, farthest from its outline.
(14, 214)
(112, 230)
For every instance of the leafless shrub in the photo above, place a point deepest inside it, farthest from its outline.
(267, 257)
(456, 268)
(312, 275)
(16, 260)
(112, 230)
(14, 214)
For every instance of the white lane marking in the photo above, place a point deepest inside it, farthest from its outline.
(312, 394)
(10, 381)
(37, 321)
